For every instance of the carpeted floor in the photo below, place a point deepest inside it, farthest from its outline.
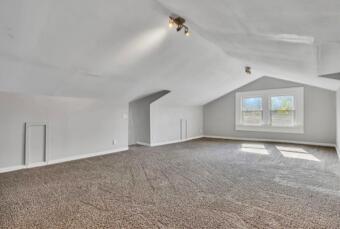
(197, 184)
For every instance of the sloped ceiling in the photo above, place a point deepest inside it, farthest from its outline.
(123, 49)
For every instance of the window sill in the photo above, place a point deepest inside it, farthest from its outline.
(273, 129)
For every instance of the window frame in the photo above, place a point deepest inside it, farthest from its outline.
(271, 111)
(296, 92)
(241, 110)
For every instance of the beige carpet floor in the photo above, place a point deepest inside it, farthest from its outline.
(197, 184)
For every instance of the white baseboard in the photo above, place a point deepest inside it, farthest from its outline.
(271, 140)
(79, 157)
(38, 164)
(143, 143)
(12, 168)
(57, 161)
(175, 141)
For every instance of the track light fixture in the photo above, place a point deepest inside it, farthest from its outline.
(179, 23)
(247, 69)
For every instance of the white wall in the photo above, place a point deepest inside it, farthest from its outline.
(319, 114)
(76, 126)
(328, 60)
(165, 122)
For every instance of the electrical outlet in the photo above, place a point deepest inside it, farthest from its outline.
(114, 142)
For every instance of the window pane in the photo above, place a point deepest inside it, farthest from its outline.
(282, 118)
(252, 117)
(282, 111)
(252, 111)
(252, 104)
(282, 103)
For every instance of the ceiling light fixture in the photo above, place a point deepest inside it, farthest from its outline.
(179, 22)
(247, 69)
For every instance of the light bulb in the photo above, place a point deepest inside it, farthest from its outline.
(187, 34)
(171, 23)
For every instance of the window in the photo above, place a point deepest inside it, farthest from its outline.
(277, 110)
(252, 111)
(282, 111)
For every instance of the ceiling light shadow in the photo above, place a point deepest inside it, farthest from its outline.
(292, 38)
(140, 46)
(133, 51)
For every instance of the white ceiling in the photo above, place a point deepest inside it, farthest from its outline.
(122, 49)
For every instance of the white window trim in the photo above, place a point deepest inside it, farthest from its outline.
(297, 92)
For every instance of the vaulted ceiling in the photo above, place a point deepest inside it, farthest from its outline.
(122, 49)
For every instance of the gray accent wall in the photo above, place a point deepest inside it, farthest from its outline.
(319, 114)
(139, 118)
(76, 127)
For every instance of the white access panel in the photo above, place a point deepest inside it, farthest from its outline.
(184, 129)
(36, 144)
